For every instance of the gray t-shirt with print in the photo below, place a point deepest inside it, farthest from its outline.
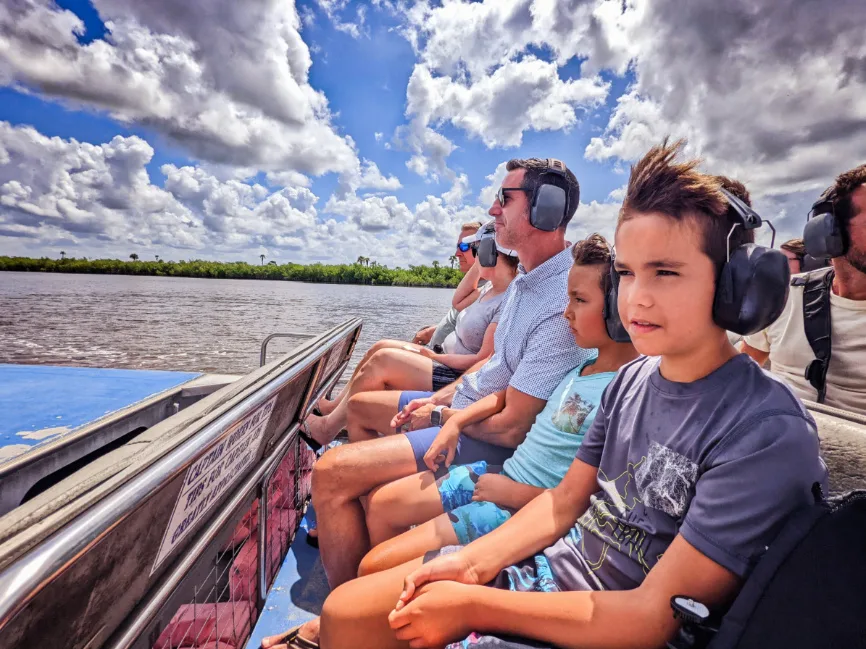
(722, 461)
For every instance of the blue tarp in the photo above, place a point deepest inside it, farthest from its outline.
(39, 403)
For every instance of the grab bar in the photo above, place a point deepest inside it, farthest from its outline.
(289, 334)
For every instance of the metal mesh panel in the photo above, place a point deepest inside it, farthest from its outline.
(224, 605)
(222, 610)
(284, 513)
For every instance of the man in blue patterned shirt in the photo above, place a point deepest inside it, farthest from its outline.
(534, 351)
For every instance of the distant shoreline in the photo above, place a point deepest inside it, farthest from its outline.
(364, 272)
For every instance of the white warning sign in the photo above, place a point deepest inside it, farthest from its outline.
(211, 475)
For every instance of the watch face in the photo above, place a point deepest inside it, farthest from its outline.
(436, 417)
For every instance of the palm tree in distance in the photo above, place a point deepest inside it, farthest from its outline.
(63, 254)
(157, 257)
(453, 260)
(134, 257)
(262, 257)
(435, 265)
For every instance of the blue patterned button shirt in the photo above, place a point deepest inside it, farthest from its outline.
(534, 347)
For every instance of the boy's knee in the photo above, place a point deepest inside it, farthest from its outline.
(337, 619)
(380, 500)
(374, 561)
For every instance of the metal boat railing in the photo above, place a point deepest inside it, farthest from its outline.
(263, 353)
(90, 583)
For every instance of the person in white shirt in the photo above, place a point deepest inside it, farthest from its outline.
(785, 342)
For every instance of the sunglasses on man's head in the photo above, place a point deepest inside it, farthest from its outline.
(501, 194)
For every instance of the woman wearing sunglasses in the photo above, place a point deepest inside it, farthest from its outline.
(398, 365)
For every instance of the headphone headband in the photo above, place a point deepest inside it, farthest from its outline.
(821, 206)
(556, 166)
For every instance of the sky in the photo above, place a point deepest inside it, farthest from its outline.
(324, 130)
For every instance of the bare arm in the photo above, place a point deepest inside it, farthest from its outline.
(478, 411)
(636, 618)
(498, 488)
(537, 526)
(509, 427)
(424, 335)
(464, 361)
(757, 355)
(467, 290)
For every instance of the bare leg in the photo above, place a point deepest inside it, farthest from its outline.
(355, 615)
(387, 369)
(394, 507)
(327, 406)
(370, 414)
(415, 543)
(340, 477)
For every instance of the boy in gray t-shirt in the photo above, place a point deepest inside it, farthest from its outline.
(693, 463)
(671, 460)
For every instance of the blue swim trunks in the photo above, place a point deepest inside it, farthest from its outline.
(470, 520)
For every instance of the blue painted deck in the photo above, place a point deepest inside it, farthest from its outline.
(40, 403)
(298, 592)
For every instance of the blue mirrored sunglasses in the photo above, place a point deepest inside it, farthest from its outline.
(464, 247)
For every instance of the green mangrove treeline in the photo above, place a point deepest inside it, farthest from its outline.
(363, 271)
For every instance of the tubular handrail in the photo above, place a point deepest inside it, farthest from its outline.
(23, 579)
(263, 354)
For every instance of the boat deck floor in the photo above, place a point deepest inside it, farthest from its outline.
(41, 403)
(299, 589)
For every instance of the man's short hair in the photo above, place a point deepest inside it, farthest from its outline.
(535, 169)
(840, 192)
(658, 183)
(594, 251)
(795, 246)
(471, 226)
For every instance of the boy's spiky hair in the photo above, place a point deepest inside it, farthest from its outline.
(660, 184)
(594, 251)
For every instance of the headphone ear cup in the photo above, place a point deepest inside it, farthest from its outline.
(487, 252)
(615, 328)
(824, 237)
(752, 289)
(548, 207)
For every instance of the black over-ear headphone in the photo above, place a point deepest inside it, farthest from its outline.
(550, 202)
(753, 286)
(615, 328)
(824, 234)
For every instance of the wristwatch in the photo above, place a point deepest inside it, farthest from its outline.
(436, 416)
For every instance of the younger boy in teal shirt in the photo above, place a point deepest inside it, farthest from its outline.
(470, 501)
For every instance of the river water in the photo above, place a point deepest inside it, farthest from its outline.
(205, 325)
